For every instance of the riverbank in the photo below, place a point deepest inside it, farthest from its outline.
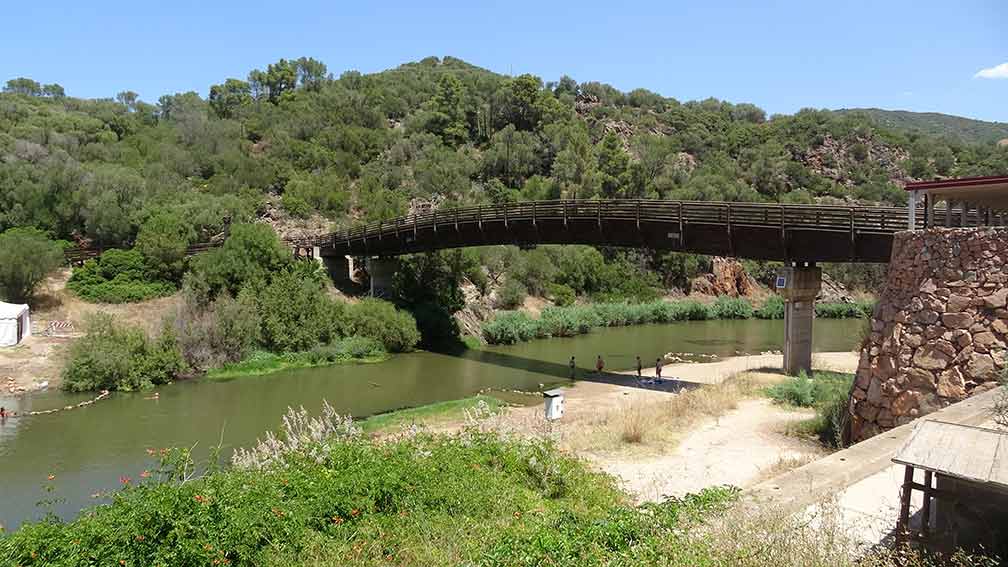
(511, 327)
(714, 427)
(262, 363)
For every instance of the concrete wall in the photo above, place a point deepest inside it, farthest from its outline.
(938, 334)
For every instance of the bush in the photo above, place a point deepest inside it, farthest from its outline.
(346, 349)
(561, 294)
(249, 256)
(110, 357)
(772, 308)
(827, 392)
(225, 331)
(310, 493)
(860, 310)
(163, 241)
(27, 256)
(117, 276)
(295, 312)
(375, 319)
(511, 295)
(509, 328)
(725, 307)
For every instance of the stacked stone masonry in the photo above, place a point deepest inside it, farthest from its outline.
(939, 331)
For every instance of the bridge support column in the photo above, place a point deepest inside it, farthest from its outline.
(381, 271)
(799, 286)
(339, 267)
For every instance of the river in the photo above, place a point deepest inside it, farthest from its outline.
(89, 449)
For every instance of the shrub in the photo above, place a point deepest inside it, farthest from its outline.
(162, 241)
(509, 328)
(725, 307)
(225, 331)
(296, 314)
(690, 310)
(372, 318)
(772, 308)
(826, 392)
(860, 310)
(26, 258)
(117, 276)
(561, 294)
(346, 349)
(251, 253)
(511, 295)
(110, 357)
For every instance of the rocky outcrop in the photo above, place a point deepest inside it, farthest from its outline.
(939, 331)
(727, 277)
(838, 159)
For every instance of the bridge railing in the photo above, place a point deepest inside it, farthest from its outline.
(882, 220)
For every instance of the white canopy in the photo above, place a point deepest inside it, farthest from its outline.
(15, 323)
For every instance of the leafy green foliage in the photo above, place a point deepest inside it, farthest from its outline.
(511, 295)
(772, 308)
(118, 276)
(725, 307)
(562, 295)
(372, 318)
(862, 310)
(827, 392)
(26, 257)
(513, 502)
(251, 253)
(99, 169)
(112, 357)
(162, 241)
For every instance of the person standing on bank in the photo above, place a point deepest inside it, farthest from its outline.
(657, 368)
(572, 368)
(640, 366)
(599, 365)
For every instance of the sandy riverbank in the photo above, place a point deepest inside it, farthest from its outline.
(661, 443)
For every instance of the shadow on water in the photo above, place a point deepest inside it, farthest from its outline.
(562, 372)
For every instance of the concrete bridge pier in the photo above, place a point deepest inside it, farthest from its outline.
(798, 285)
(381, 271)
(340, 267)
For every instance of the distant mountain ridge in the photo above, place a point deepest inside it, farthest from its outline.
(959, 128)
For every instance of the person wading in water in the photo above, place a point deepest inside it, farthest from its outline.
(572, 368)
(599, 365)
(640, 367)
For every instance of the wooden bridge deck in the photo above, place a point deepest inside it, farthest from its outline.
(801, 233)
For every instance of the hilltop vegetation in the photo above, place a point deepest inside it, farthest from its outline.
(934, 124)
(361, 147)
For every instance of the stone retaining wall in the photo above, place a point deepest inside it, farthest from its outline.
(939, 331)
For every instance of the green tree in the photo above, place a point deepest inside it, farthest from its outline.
(163, 240)
(227, 99)
(513, 156)
(23, 85)
(311, 73)
(249, 255)
(446, 113)
(27, 256)
(613, 163)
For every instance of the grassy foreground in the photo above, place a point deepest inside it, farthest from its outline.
(320, 493)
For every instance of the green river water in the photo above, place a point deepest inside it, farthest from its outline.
(89, 449)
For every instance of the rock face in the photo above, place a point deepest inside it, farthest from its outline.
(939, 331)
(727, 277)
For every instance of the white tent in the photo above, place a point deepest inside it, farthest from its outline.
(15, 323)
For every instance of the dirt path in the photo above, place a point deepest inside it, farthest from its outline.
(738, 448)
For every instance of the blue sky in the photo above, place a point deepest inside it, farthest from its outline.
(783, 56)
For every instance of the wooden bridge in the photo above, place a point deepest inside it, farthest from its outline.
(793, 233)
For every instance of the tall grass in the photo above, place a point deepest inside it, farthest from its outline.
(512, 327)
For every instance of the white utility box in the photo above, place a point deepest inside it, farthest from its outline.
(554, 404)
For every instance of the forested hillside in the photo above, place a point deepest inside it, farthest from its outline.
(965, 130)
(361, 147)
